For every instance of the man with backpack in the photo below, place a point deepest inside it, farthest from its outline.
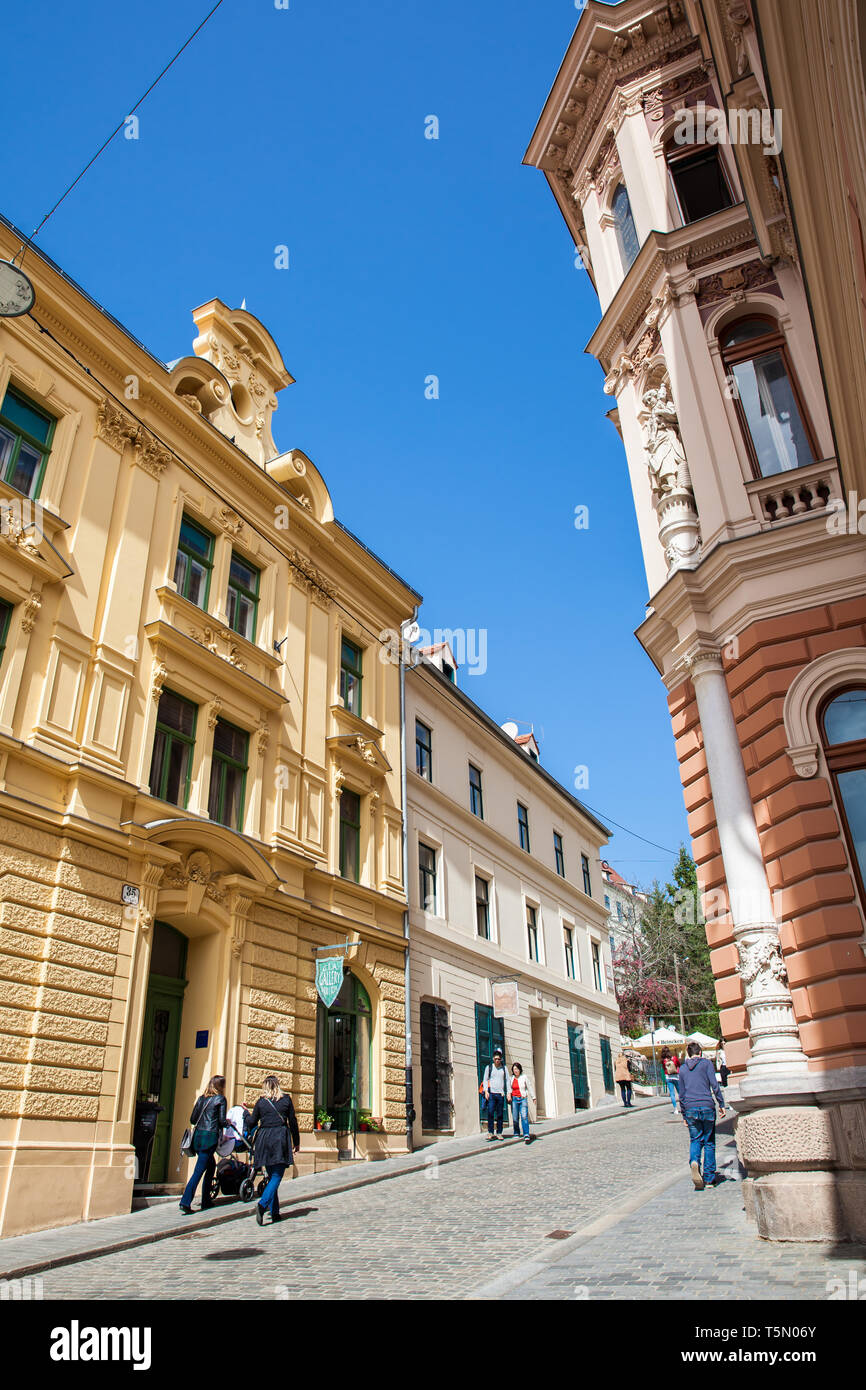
(495, 1086)
(698, 1092)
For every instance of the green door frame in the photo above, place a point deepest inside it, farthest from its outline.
(163, 994)
(577, 1058)
(489, 1035)
(607, 1065)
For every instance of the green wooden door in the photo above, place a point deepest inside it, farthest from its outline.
(606, 1064)
(489, 1035)
(577, 1058)
(157, 1075)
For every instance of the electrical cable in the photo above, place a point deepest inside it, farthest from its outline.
(22, 250)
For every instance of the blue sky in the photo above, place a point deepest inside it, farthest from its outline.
(408, 257)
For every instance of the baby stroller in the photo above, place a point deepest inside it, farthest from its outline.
(236, 1176)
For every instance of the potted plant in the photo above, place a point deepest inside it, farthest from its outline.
(364, 1121)
(323, 1119)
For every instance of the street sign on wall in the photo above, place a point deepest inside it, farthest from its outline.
(506, 1000)
(329, 978)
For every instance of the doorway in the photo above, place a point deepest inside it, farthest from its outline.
(538, 1023)
(160, 1040)
(344, 1050)
(489, 1038)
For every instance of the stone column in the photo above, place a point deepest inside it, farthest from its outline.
(775, 1038)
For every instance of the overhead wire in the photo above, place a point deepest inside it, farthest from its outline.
(25, 245)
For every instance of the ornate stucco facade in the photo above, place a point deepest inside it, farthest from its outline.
(502, 904)
(170, 865)
(722, 229)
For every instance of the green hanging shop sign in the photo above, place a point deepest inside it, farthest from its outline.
(329, 979)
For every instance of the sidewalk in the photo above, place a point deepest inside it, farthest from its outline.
(674, 1243)
(21, 1256)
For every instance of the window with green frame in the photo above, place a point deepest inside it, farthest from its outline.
(351, 675)
(194, 562)
(243, 597)
(350, 835)
(173, 744)
(523, 826)
(26, 433)
(558, 856)
(5, 615)
(476, 794)
(228, 775)
(423, 751)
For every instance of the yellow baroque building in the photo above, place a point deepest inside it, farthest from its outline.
(200, 762)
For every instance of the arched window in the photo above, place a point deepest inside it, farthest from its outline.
(699, 180)
(772, 416)
(344, 1082)
(843, 728)
(626, 234)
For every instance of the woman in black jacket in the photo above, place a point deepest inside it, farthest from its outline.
(276, 1128)
(209, 1117)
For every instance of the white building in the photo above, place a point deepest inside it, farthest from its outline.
(623, 903)
(504, 885)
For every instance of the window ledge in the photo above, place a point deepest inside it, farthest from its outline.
(788, 496)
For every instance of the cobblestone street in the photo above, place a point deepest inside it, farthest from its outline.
(479, 1228)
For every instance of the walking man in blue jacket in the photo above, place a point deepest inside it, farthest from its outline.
(699, 1090)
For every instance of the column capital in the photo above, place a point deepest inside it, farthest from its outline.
(702, 658)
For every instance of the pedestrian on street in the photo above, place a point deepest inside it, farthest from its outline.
(208, 1120)
(622, 1077)
(722, 1067)
(698, 1091)
(274, 1128)
(671, 1065)
(521, 1090)
(495, 1085)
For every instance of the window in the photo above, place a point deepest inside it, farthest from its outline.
(532, 931)
(587, 881)
(523, 827)
(844, 730)
(766, 398)
(476, 796)
(482, 907)
(626, 235)
(435, 1067)
(612, 940)
(423, 751)
(699, 180)
(350, 677)
(194, 562)
(427, 877)
(619, 912)
(25, 443)
(568, 942)
(243, 597)
(228, 775)
(173, 745)
(350, 835)
(5, 615)
(558, 856)
(596, 966)
(607, 902)
(449, 672)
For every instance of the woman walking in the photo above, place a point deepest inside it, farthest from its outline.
(208, 1120)
(274, 1129)
(671, 1065)
(520, 1094)
(622, 1077)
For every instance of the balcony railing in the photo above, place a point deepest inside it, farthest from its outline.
(785, 497)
